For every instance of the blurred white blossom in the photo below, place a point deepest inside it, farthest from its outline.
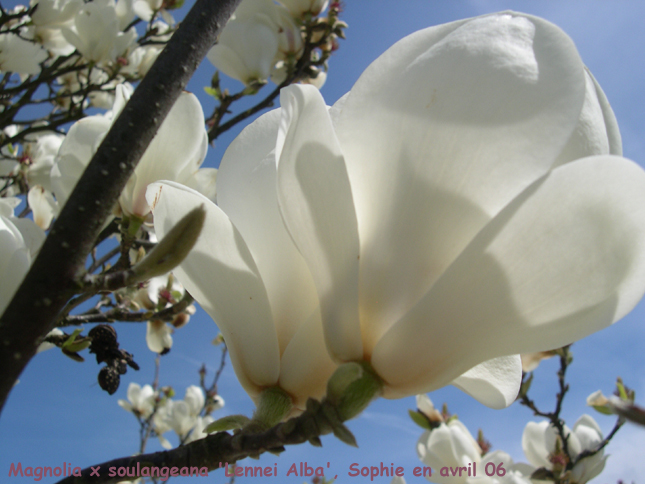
(20, 240)
(260, 34)
(449, 445)
(543, 447)
(141, 400)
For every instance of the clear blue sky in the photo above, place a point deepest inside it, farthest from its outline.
(57, 413)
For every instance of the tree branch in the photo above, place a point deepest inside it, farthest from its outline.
(55, 274)
(212, 452)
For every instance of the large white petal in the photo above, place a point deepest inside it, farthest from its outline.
(75, 154)
(534, 443)
(306, 365)
(439, 134)
(495, 383)
(221, 275)
(14, 263)
(316, 202)
(247, 193)
(565, 259)
(179, 139)
(597, 130)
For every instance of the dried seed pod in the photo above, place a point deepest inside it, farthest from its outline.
(109, 379)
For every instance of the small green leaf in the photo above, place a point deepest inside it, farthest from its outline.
(230, 422)
(344, 434)
(419, 419)
(211, 91)
(78, 345)
(71, 338)
(622, 391)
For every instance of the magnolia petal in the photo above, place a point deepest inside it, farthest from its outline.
(179, 139)
(597, 130)
(221, 275)
(534, 444)
(75, 154)
(588, 432)
(43, 206)
(247, 193)
(452, 123)
(158, 336)
(495, 383)
(14, 263)
(32, 235)
(316, 203)
(204, 181)
(195, 399)
(306, 365)
(246, 50)
(563, 260)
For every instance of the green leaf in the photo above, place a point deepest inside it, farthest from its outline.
(419, 419)
(622, 391)
(211, 91)
(71, 338)
(344, 434)
(230, 422)
(78, 345)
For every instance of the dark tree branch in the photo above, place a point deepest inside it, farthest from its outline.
(214, 451)
(55, 274)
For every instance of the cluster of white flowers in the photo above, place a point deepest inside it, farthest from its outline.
(264, 38)
(100, 31)
(185, 417)
(449, 446)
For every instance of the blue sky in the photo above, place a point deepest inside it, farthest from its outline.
(57, 413)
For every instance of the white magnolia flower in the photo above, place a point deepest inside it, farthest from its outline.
(260, 34)
(446, 213)
(176, 153)
(539, 445)
(96, 32)
(141, 400)
(55, 13)
(34, 161)
(20, 56)
(159, 292)
(50, 18)
(145, 10)
(181, 415)
(512, 473)
(195, 399)
(299, 7)
(198, 431)
(449, 445)
(20, 240)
